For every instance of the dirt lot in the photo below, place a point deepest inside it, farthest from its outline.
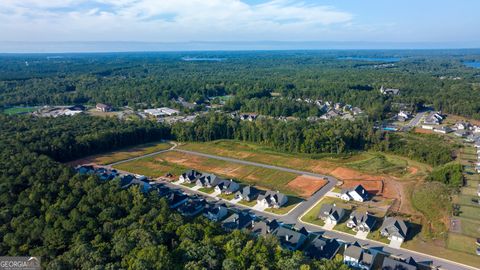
(423, 131)
(306, 185)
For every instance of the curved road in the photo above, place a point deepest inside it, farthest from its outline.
(293, 217)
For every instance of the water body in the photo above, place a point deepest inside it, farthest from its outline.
(210, 59)
(472, 64)
(370, 59)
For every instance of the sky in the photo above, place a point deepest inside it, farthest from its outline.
(451, 22)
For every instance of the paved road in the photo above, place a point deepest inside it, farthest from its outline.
(293, 218)
(414, 122)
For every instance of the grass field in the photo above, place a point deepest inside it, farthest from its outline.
(470, 227)
(150, 167)
(366, 162)
(461, 243)
(127, 153)
(177, 162)
(206, 190)
(312, 215)
(19, 110)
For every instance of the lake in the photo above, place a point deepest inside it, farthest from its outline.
(212, 59)
(370, 59)
(472, 64)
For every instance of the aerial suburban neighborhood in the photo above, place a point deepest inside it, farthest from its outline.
(239, 135)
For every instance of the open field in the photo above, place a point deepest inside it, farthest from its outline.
(123, 154)
(383, 174)
(461, 243)
(470, 227)
(19, 110)
(177, 162)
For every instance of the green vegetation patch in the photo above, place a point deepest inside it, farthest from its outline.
(449, 174)
(462, 243)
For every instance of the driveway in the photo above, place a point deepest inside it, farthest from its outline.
(328, 226)
(361, 235)
(395, 244)
(259, 207)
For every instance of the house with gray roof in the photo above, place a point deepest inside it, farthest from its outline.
(394, 229)
(190, 176)
(192, 207)
(358, 258)
(323, 248)
(289, 239)
(208, 180)
(331, 213)
(264, 227)
(273, 199)
(227, 186)
(361, 221)
(215, 212)
(392, 264)
(237, 221)
(176, 199)
(248, 193)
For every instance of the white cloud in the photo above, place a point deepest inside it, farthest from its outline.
(167, 20)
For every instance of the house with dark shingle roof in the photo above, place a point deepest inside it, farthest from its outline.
(289, 239)
(176, 199)
(358, 193)
(358, 258)
(227, 186)
(392, 264)
(273, 199)
(394, 229)
(190, 176)
(215, 212)
(331, 213)
(248, 193)
(208, 180)
(323, 248)
(237, 221)
(361, 221)
(191, 207)
(264, 227)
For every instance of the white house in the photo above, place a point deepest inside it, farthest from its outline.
(358, 193)
(273, 199)
(164, 111)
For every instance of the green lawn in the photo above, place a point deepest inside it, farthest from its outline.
(375, 235)
(206, 190)
(461, 243)
(188, 185)
(342, 227)
(19, 110)
(249, 204)
(127, 153)
(470, 227)
(312, 215)
(151, 167)
(472, 212)
(227, 197)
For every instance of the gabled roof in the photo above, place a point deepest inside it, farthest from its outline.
(191, 174)
(176, 197)
(264, 227)
(289, 237)
(322, 248)
(228, 185)
(395, 226)
(361, 191)
(331, 210)
(269, 195)
(237, 221)
(249, 192)
(209, 179)
(362, 218)
(391, 264)
(359, 254)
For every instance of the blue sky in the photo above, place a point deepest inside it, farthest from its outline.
(433, 21)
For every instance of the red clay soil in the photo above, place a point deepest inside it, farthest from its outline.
(306, 185)
(423, 131)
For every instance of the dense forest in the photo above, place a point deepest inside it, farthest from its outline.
(79, 222)
(437, 78)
